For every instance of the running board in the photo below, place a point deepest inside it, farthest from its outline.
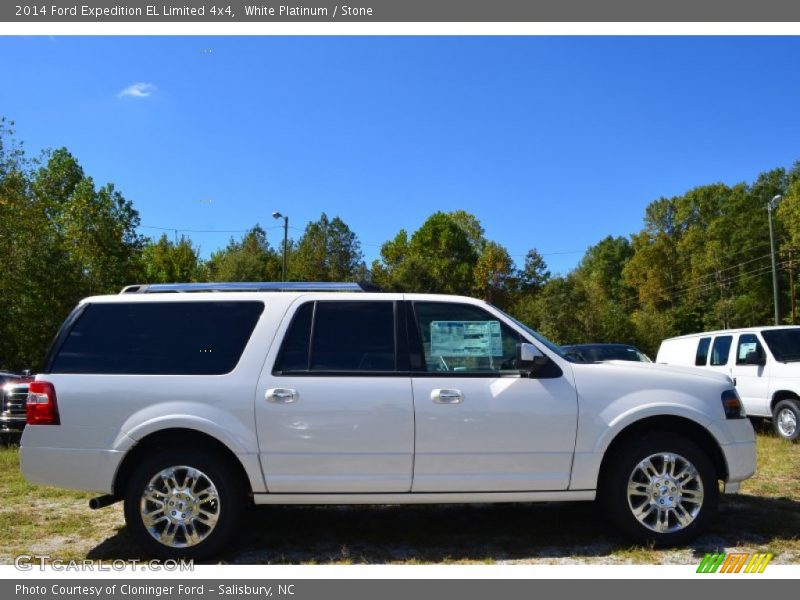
(424, 497)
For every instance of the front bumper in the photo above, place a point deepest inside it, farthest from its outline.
(11, 424)
(738, 443)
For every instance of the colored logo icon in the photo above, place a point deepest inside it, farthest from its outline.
(734, 563)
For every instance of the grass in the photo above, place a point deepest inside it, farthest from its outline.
(764, 517)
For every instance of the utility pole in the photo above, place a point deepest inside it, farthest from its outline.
(791, 286)
(770, 207)
(277, 215)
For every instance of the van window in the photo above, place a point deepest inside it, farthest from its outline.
(701, 358)
(748, 342)
(158, 338)
(784, 343)
(720, 350)
(339, 336)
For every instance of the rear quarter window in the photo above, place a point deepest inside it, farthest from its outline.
(158, 338)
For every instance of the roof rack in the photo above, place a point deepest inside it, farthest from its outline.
(251, 286)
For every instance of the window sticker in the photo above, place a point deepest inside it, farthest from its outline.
(745, 348)
(466, 338)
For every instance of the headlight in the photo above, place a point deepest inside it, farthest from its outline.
(732, 405)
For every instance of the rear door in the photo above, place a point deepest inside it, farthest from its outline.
(334, 410)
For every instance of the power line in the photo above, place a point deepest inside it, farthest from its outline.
(748, 274)
(182, 230)
(683, 285)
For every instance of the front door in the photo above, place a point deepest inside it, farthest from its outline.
(752, 381)
(334, 413)
(480, 425)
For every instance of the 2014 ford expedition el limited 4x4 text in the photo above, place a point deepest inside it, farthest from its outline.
(188, 403)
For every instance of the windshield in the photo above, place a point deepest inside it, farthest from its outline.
(783, 343)
(540, 338)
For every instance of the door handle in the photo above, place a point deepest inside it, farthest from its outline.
(281, 395)
(447, 396)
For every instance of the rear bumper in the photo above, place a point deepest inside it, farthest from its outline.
(80, 469)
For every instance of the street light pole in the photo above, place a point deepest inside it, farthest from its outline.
(770, 207)
(277, 215)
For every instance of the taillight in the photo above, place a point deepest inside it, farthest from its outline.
(42, 408)
(732, 405)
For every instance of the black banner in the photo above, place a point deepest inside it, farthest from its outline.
(399, 589)
(402, 11)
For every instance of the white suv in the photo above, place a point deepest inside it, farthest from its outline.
(764, 363)
(187, 406)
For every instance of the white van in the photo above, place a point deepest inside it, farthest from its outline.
(764, 363)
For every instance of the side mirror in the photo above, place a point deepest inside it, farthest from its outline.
(529, 358)
(755, 357)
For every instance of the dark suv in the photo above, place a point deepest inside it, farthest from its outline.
(13, 395)
(600, 352)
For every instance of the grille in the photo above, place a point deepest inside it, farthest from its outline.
(14, 397)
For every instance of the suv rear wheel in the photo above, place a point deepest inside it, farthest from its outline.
(786, 419)
(661, 490)
(181, 503)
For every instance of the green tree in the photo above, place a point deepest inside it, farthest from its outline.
(249, 259)
(61, 239)
(164, 261)
(494, 274)
(439, 258)
(534, 273)
(472, 227)
(327, 251)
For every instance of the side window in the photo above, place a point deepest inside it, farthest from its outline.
(294, 352)
(158, 338)
(461, 338)
(334, 336)
(720, 350)
(353, 336)
(701, 358)
(748, 342)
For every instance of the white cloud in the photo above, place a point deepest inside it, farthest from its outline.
(138, 90)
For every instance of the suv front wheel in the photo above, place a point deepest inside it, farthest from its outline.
(181, 503)
(660, 490)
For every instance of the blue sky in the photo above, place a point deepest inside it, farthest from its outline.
(553, 143)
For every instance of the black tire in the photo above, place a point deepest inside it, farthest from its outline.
(784, 411)
(229, 507)
(619, 471)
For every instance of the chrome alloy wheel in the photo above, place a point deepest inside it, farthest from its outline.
(180, 506)
(787, 422)
(665, 492)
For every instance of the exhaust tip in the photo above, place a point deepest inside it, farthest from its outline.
(102, 501)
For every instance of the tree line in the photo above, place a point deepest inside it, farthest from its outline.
(701, 260)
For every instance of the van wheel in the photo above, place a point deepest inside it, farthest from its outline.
(183, 504)
(786, 418)
(660, 490)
